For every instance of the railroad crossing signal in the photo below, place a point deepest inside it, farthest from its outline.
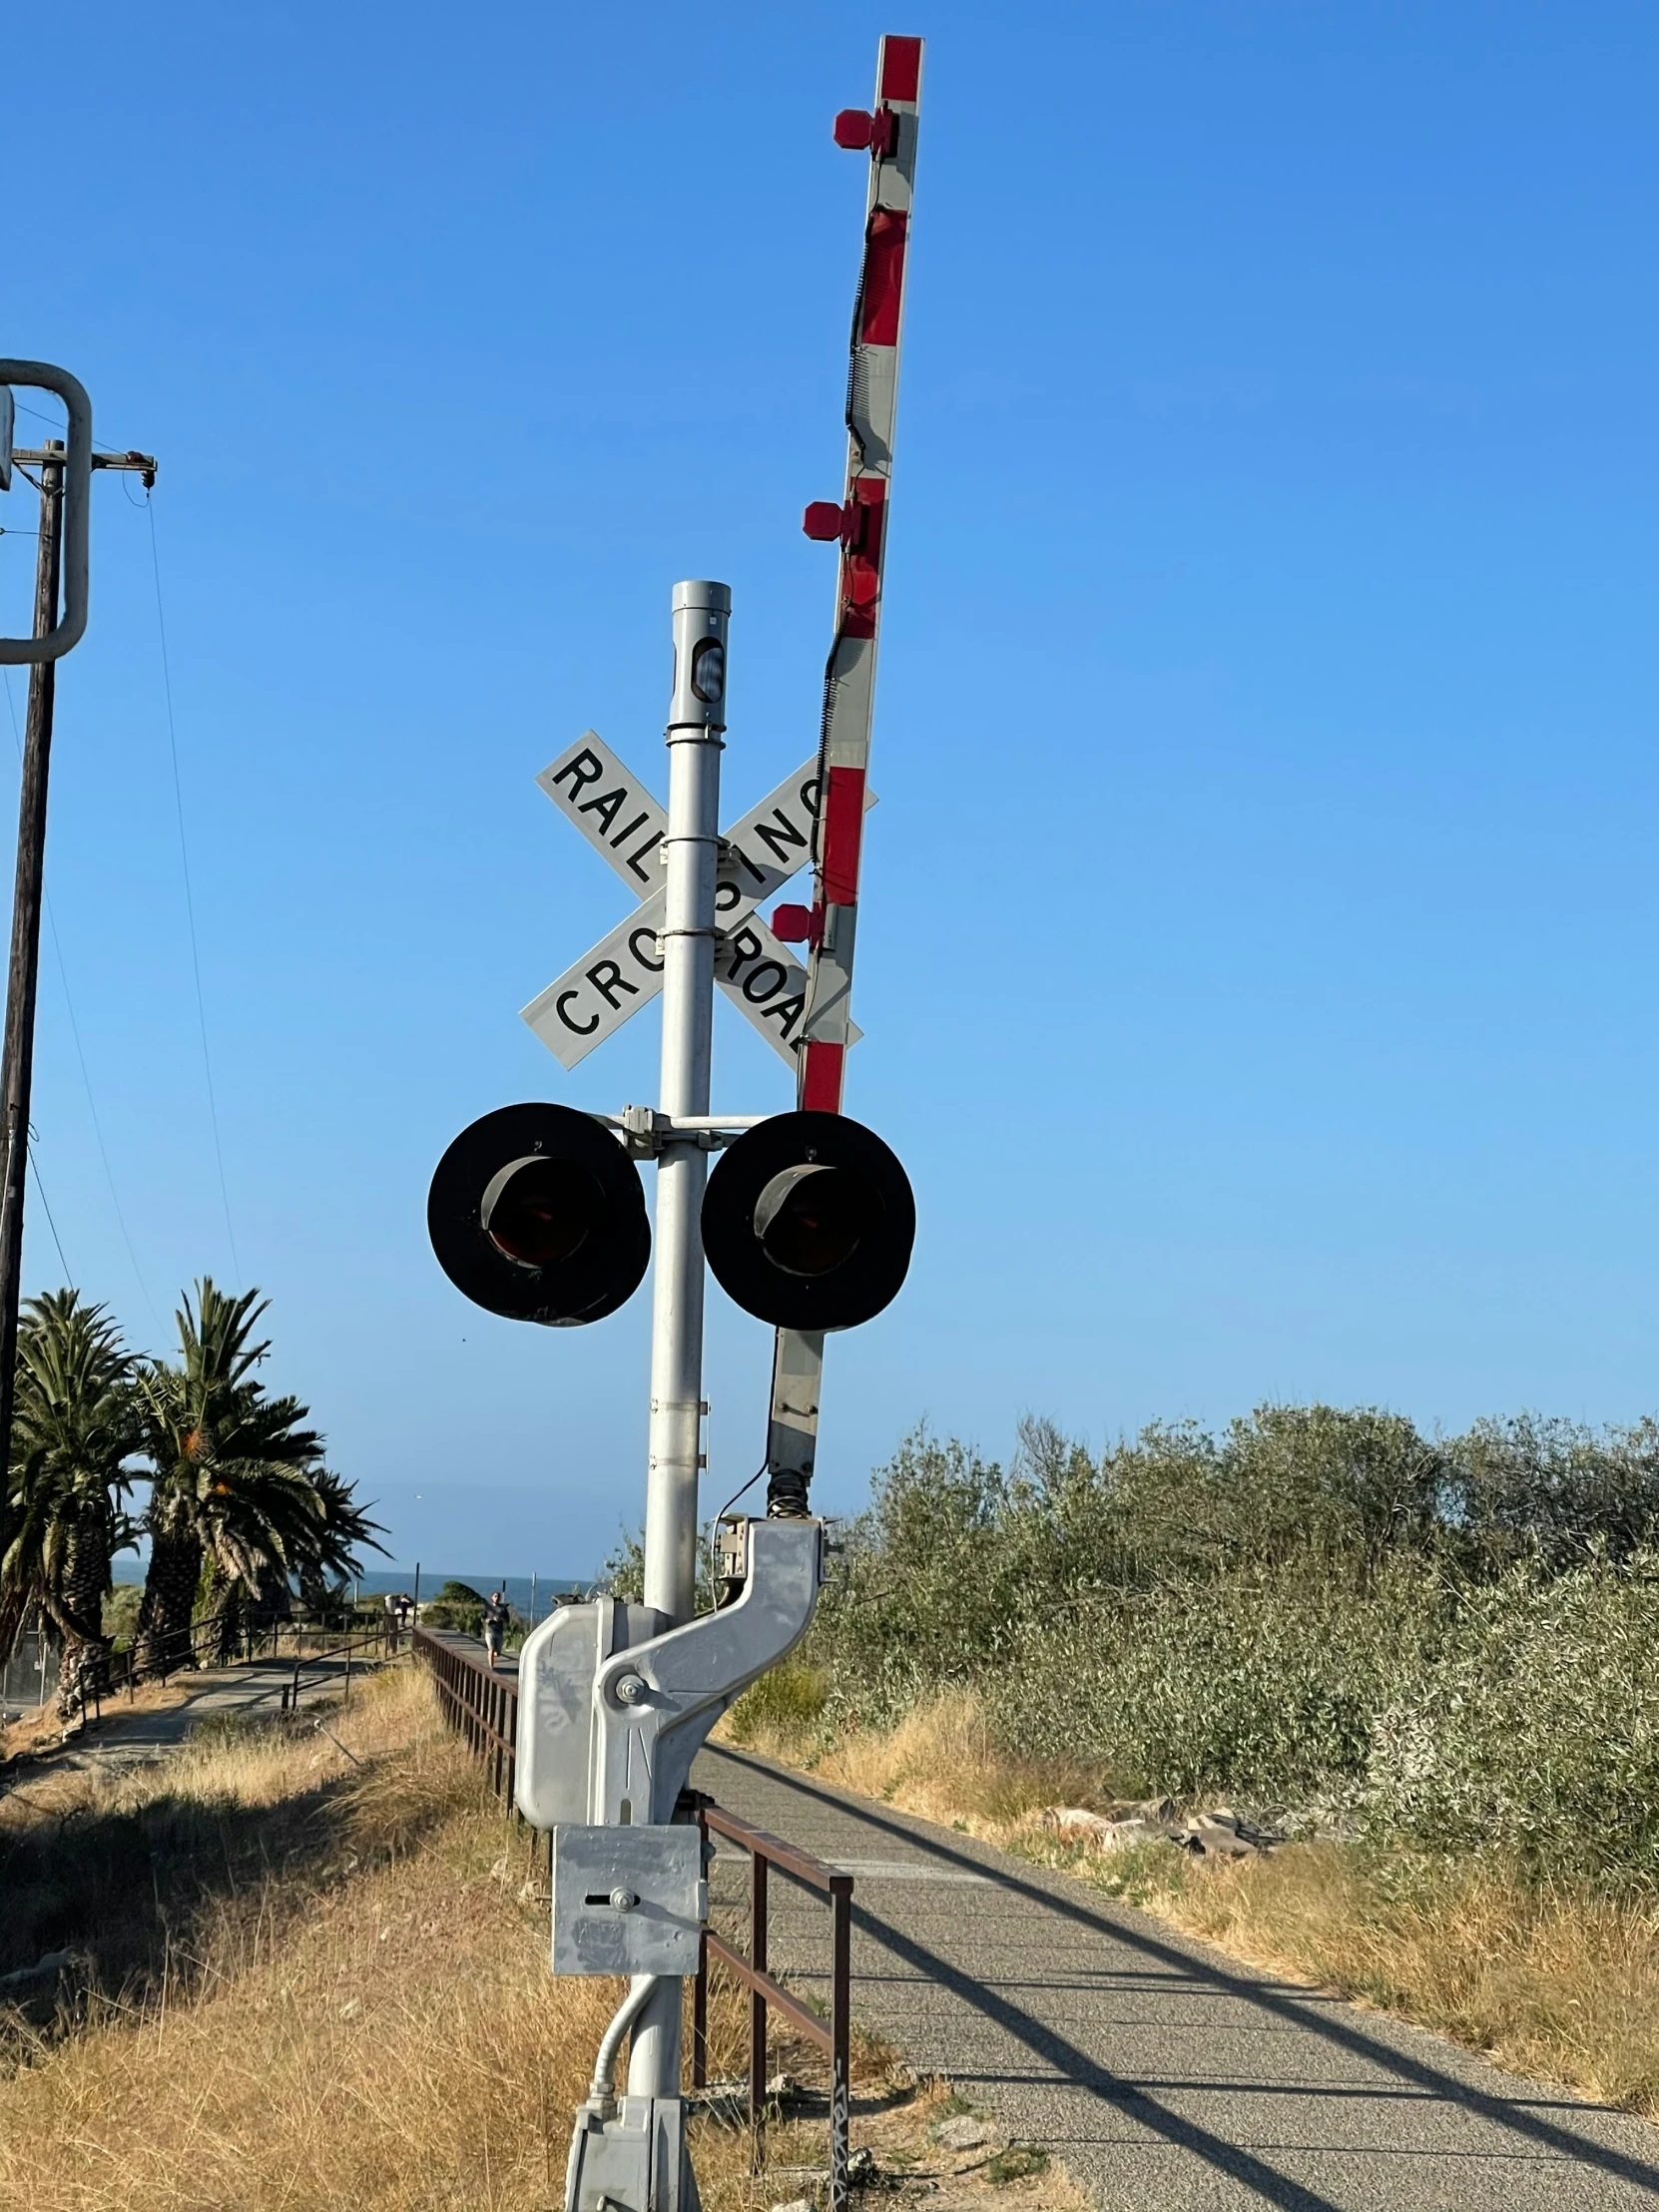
(807, 1222)
(625, 826)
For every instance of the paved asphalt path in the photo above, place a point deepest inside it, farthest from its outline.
(127, 1739)
(1168, 2077)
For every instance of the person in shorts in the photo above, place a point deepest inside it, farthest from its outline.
(495, 1626)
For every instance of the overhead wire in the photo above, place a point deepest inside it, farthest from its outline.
(86, 1076)
(190, 901)
(46, 1203)
(190, 911)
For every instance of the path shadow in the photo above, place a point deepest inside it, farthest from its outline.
(1332, 2021)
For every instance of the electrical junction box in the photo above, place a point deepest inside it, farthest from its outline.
(628, 1899)
(556, 1671)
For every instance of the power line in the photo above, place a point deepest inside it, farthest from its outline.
(86, 1076)
(190, 902)
(40, 1188)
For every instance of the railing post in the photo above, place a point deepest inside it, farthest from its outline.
(700, 1987)
(758, 2005)
(841, 2037)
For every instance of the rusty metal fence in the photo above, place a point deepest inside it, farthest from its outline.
(478, 1702)
(834, 2035)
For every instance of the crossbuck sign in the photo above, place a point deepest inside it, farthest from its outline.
(623, 821)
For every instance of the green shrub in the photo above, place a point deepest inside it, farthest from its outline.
(458, 1607)
(1265, 1688)
(1316, 1610)
(1534, 1735)
(121, 1611)
(787, 1701)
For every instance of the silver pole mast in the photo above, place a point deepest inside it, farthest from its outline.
(691, 851)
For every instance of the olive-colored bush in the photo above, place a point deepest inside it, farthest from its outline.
(1318, 1611)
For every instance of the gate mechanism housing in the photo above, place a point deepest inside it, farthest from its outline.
(610, 1718)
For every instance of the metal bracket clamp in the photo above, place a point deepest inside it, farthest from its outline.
(644, 1133)
(654, 1702)
(76, 505)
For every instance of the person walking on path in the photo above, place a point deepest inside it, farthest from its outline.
(495, 1626)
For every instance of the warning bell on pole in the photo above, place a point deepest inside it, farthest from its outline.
(535, 1211)
(807, 1222)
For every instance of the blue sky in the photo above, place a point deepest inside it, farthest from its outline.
(1257, 967)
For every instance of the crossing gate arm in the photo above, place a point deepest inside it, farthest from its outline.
(889, 133)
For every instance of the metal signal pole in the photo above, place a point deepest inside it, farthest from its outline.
(697, 719)
(690, 851)
(18, 1052)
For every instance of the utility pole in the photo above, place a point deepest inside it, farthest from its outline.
(21, 974)
(17, 1059)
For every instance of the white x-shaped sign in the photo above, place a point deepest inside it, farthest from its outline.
(620, 819)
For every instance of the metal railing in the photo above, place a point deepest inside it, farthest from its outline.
(833, 2035)
(201, 1647)
(369, 1639)
(478, 1702)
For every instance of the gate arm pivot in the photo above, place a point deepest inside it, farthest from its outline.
(654, 1702)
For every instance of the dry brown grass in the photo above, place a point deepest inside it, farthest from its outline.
(1544, 1982)
(941, 1761)
(375, 2027)
(1557, 1984)
(368, 2023)
(122, 1868)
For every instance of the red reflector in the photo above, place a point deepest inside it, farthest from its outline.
(820, 1089)
(884, 287)
(822, 521)
(853, 128)
(900, 68)
(844, 822)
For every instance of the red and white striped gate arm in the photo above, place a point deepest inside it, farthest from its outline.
(859, 524)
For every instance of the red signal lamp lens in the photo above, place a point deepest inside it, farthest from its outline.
(795, 925)
(822, 521)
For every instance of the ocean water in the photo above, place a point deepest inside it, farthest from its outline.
(525, 1595)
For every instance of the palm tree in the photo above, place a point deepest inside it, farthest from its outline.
(73, 1425)
(342, 1528)
(233, 1486)
(257, 1524)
